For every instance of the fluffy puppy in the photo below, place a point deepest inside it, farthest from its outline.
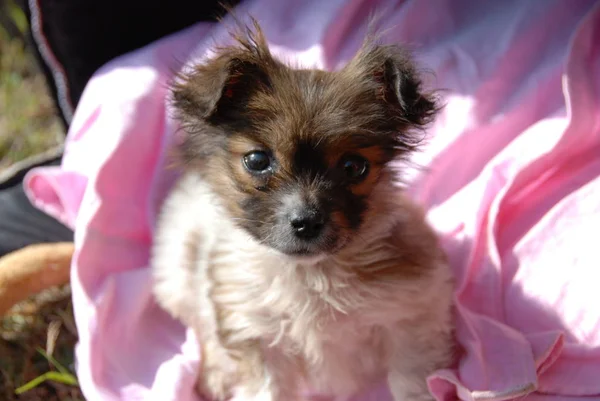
(287, 245)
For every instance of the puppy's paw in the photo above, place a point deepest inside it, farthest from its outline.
(422, 397)
(264, 394)
(403, 394)
(216, 385)
(409, 388)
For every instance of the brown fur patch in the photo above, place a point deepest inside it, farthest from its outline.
(412, 249)
(191, 250)
(244, 100)
(375, 155)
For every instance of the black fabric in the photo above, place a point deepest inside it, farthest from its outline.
(83, 35)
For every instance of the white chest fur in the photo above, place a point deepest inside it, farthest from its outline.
(334, 328)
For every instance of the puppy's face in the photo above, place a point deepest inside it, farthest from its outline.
(295, 154)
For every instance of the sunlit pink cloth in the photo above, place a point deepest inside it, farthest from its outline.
(512, 183)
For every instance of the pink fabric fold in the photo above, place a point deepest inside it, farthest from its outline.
(511, 183)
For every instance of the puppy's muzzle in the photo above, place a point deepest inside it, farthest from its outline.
(307, 223)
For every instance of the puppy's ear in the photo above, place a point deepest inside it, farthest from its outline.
(217, 92)
(211, 100)
(397, 82)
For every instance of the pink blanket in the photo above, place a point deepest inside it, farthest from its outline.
(512, 184)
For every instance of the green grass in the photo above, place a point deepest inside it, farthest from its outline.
(28, 122)
(38, 335)
(63, 376)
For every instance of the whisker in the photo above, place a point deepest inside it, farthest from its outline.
(249, 220)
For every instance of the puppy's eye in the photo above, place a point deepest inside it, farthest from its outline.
(354, 167)
(257, 161)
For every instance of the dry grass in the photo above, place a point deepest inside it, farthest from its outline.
(46, 322)
(28, 125)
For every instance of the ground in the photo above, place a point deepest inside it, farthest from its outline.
(28, 125)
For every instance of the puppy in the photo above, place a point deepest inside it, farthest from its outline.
(287, 244)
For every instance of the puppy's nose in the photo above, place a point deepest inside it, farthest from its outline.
(307, 224)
